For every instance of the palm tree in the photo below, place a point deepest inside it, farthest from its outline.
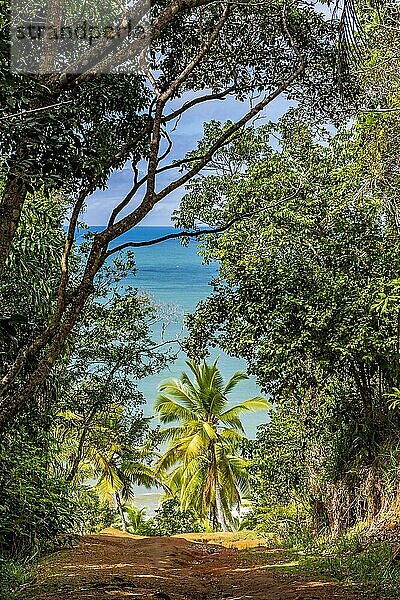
(203, 469)
(116, 477)
(100, 452)
(137, 519)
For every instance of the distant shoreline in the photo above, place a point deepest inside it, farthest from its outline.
(149, 501)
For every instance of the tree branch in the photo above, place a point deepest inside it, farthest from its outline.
(150, 200)
(215, 96)
(200, 232)
(35, 110)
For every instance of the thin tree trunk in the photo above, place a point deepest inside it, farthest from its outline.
(121, 511)
(10, 212)
(92, 414)
(219, 508)
(14, 402)
(79, 454)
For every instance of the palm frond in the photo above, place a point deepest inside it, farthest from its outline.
(210, 430)
(250, 405)
(169, 410)
(180, 389)
(231, 435)
(172, 433)
(234, 380)
(233, 421)
(194, 447)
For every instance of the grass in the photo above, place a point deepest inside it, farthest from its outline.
(371, 567)
(14, 574)
(348, 560)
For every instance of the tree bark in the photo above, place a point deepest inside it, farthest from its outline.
(219, 506)
(14, 400)
(79, 453)
(11, 206)
(121, 511)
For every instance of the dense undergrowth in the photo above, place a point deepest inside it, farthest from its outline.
(351, 559)
(14, 575)
(366, 556)
(372, 567)
(356, 558)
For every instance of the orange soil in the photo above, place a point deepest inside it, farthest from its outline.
(114, 565)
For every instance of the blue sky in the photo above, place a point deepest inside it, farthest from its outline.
(188, 132)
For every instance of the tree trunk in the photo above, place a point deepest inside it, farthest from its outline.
(10, 212)
(219, 507)
(11, 404)
(120, 510)
(373, 493)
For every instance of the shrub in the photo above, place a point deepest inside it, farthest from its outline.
(169, 519)
(288, 524)
(91, 514)
(35, 506)
(13, 574)
(349, 559)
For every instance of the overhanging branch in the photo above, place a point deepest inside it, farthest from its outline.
(201, 232)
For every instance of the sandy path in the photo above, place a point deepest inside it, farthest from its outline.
(114, 565)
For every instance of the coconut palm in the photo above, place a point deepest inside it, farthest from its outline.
(116, 477)
(203, 469)
(100, 452)
(136, 519)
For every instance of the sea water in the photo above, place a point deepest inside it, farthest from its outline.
(175, 278)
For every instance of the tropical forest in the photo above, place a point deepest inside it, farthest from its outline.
(200, 299)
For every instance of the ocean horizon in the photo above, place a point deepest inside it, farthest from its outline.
(175, 278)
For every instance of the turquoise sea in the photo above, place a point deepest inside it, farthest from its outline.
(176, 279)
(174, 276)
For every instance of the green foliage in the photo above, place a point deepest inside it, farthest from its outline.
(286, 523)
(369, 567)
(170, 519)
(136, 521)
(28, 286)
(33, 270)
(40, 511)
(36, 510)
(277, 459)
(91, 514)
(293, 260)
(13, 575)
(353, 560)
(296, 297)
(207, 474)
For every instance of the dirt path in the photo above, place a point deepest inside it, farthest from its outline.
(114, 565)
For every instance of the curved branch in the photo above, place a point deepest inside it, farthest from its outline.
(207, 97)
